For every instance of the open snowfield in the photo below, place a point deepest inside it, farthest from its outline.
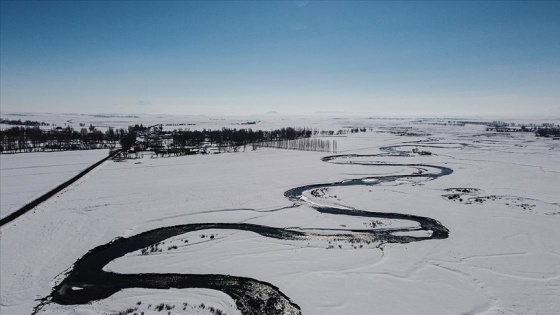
(27, 176)
(500, 204)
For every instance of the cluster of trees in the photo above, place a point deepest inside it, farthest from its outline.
(288, 133)
(22, 123)
(548, 132)
(512, 129)
(138, 127)
(317, 132)
(29, 139)
(305, 144)
(356, 130)
(227, 139)
(138, 137)
(127, 141)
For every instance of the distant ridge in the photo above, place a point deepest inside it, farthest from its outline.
(341, 112)
(112, 115)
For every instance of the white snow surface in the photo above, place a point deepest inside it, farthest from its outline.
(26, 176)
(502, 255)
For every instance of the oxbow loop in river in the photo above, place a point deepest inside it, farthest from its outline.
(87, 281)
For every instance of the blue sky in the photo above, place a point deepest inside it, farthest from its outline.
(386, 58)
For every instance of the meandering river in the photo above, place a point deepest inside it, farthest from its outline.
(87, 281)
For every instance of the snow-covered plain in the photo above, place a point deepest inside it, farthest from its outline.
(26, 176)
(502, 255)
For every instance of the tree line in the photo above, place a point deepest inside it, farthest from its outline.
(227, 139)
(139, 138)
(23, 123)
(30, 139)
(305, 144)
(548, 132)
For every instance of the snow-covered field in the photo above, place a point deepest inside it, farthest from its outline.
(27, 176)
(501, 206)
